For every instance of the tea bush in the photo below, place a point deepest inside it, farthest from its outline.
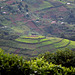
(64, 57)
(13, 64)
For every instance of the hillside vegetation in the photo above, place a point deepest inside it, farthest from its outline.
(32, 46)
(41, 33)
(43, 17)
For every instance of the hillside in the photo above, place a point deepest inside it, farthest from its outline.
(32, 46)
(31, 27)
(43, 17)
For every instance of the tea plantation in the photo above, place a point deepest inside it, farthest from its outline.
(13, 64)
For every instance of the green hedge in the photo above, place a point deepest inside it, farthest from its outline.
(13, 64)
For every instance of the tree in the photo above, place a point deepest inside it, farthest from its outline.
(26, 6)
(62, 35)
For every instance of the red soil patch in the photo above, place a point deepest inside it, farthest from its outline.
(25, 20)
(31, 24)
(41, 27)
(62, 8)
(18, 17)
(10, 2)
(47, 16)
(37, 11)
(13, 21)
(57, 30)
(38, 30)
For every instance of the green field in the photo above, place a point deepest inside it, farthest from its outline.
(45, 5)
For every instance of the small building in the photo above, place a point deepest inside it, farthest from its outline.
(62, 22)
(37, 21)
(4, 12)
(1, 7)
(53, 22)
(68, 3)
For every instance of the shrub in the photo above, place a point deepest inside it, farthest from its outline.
(64, 57)
(13, 64)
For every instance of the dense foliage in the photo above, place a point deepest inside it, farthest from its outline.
(64, 57)
(13, 64)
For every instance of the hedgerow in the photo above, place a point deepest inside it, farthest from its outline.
(13, 64)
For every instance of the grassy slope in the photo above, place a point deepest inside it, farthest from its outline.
(44, 5)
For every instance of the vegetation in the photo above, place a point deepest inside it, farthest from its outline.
(22, 24)
(13, 17)
(13, 64)
(64, 57)
(32, 46)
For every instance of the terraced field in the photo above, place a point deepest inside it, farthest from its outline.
(31, 46)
